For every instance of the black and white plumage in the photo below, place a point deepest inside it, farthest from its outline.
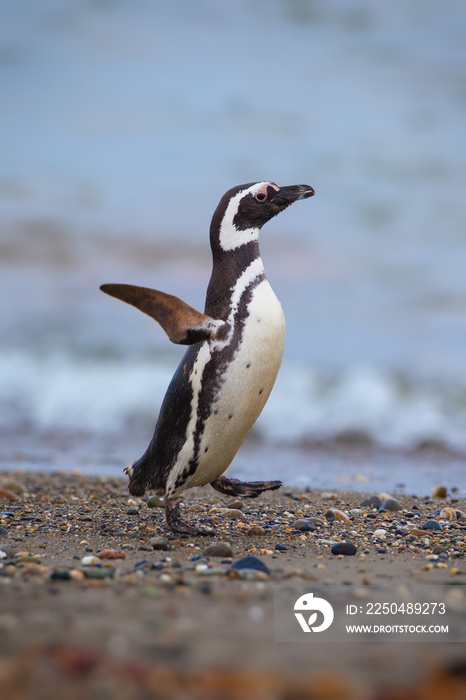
(227, 374)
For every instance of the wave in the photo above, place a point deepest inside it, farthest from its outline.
(307, 406)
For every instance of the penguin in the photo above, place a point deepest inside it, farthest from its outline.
(235, 350)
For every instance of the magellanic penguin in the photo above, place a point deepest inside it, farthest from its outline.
(226, 376)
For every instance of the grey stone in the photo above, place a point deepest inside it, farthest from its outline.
(304, 526)
(391, 504)
(218, 549)
(432, 525)
(8, 549)
(98, 573)
(371, 502)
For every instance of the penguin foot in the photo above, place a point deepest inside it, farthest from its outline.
(176, 524)
(247, 489)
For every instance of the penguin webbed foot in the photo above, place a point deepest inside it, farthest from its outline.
(176, 524)
(246, 489)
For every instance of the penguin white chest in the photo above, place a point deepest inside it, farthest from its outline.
(246, 383)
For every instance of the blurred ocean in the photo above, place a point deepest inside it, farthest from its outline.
(123, 123)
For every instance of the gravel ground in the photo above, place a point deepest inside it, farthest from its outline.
(98, 597)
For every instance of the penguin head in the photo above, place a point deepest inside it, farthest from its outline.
(244, 209)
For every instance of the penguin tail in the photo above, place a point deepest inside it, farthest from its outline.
(142, 478)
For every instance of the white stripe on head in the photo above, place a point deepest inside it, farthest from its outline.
(230, 237)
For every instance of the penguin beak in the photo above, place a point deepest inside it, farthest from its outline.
(287, 195)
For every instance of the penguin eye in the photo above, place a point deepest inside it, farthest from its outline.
(261, 196)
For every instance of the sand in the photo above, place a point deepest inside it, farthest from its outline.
(173, 624)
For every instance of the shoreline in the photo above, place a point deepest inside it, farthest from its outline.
(355, 467)
(180, 617)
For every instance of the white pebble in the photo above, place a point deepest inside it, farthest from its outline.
(90, 559)
(380, 534)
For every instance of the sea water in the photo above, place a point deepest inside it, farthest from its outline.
(124, 123)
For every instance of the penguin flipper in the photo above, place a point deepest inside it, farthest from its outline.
(183, 324)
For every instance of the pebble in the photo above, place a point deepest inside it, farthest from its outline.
(304, 526)
(384, 496)
(27, 559)
(335, 514)
(371, 502)
(34, 570)
(439, 492)
(237, 504)
(159, 543)
(201, 567)
(89, 560)
(438, 549)
(318, 522)
(281, 547)
(98, 573)
(196, 508)
(111, 554)
(132, 511)
(8, 549)
(346, 548)
(432, 525)
(249, 574)
(213, 571)
(379, 534)
(324, 541)
(448, 513)
(60, 575)
(156, 502)
(233, 514)
(9, 495)
(391, 504)
(250, 563)
(329, 495)
(255, 530)
(218, 549)
(13, 486)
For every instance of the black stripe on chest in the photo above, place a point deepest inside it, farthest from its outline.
(213, 377)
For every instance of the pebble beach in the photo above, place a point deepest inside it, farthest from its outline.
(97, 595)
(126, 123)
